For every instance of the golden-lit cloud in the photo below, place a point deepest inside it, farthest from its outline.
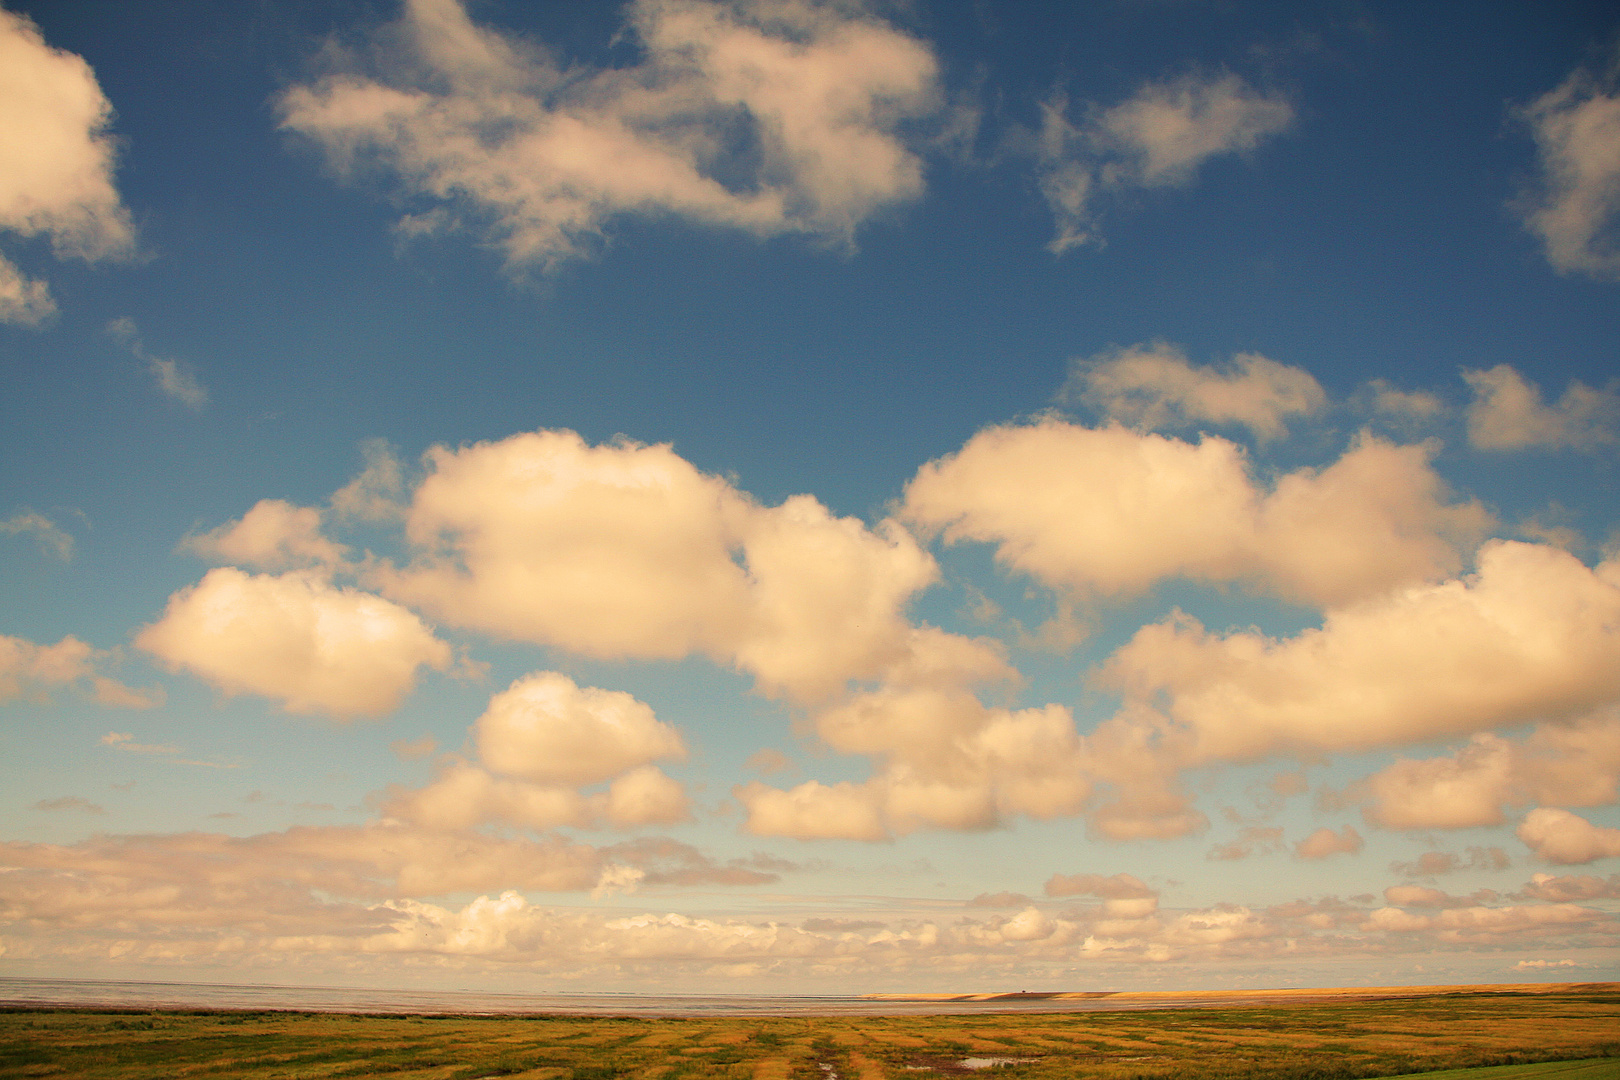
(491, 131)
(313, 896)
(297, 639)
(1109, 511)
(273, 535)
(540, 742)
(1575, 208)
(1159, 137)
(1154, 386)
(56, 169)
(1324, 842)
(1525, 638)
(1559, 836)
(33, 672)
(1507, 413)
(628, 551)
(1574, 763)
(177, 381)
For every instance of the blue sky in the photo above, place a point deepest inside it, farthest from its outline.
(783, 495)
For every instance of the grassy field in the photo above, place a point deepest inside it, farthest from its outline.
(1286, 1041)
(1591, 1069)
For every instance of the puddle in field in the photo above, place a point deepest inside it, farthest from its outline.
(968, 1064)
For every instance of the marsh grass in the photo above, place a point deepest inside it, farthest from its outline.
(1341, 1040)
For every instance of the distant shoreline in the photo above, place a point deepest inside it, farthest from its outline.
(96, 995)
(1271, 994)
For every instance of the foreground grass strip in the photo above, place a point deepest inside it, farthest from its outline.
(1435, 1035)
(1591, 1069)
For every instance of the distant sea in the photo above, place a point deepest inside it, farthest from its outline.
(77, 993)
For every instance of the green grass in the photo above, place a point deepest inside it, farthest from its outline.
(1591, 1069)
(1440, 1036)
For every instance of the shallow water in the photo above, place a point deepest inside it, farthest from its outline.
(78, 993)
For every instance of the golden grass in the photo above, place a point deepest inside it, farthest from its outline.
(1296, 1036)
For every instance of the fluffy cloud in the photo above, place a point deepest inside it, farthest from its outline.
(1526, 638)
(1112, 511)
(546, 728)
(539, 742)
(623, 550)
(1507, 414)
(769, 116)
(273, 535)
(1324, 842)
(1559, 836)
(1153, 386)
(297, 639)
(1159, 137)
(1575, 763)
(56, 163)
(1577, 132)
(1560, 890)
(33, 672)
(945, 760)
(814, 811)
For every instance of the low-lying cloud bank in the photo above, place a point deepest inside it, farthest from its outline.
(156, 901)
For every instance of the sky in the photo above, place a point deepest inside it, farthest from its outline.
(809, 496)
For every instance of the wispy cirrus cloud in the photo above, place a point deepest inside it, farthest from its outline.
(1158, 137)
(124, 742)
(51, 538)
(1576, 207)
(174, 379)
(70, 802)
